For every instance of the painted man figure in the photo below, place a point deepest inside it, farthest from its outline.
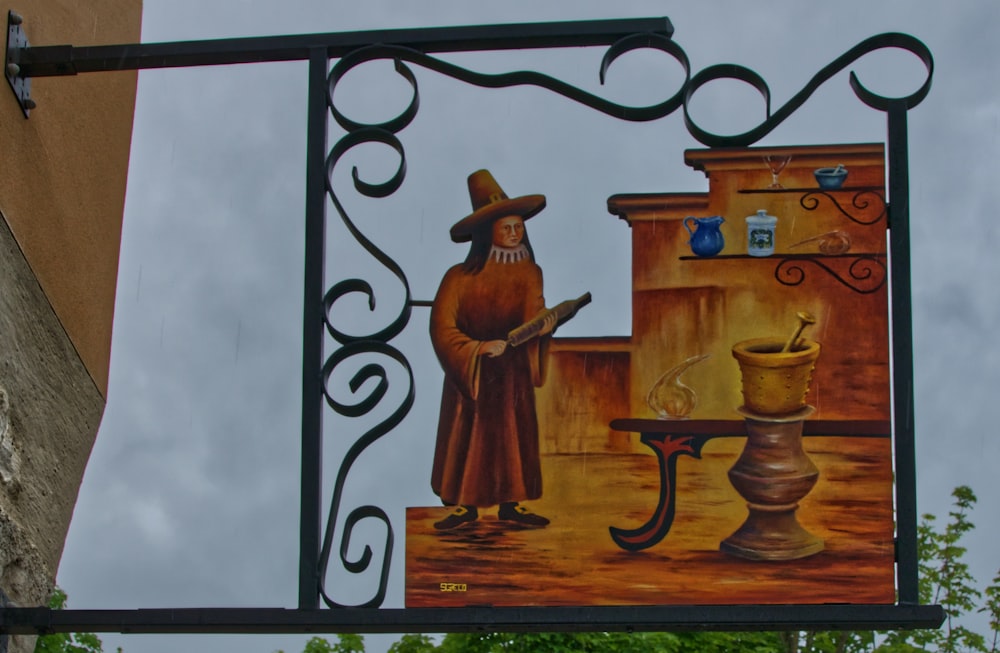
(487, 451)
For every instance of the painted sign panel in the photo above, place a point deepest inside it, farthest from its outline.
(734, 449)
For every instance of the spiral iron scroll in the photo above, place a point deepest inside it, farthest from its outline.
(873, 100)
(866, 273)
(859, 201)
(385, 133)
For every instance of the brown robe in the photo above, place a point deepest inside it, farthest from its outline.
(487, 440)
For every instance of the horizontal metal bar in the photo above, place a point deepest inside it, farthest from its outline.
(47, 61)
(439, 620)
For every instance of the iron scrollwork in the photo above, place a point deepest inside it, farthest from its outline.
(861, 201)
(865, 274)
(352, 48)
(371, 344)
(358, 133)
(741, 73)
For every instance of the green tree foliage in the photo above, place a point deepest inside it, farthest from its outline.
(945, 579)
(693, 642)
(344, 644)
(67, 642)
(413, 644)
(992, 608)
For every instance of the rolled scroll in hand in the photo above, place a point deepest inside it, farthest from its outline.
(563, 312)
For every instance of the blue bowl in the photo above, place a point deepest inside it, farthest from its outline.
(830, 178)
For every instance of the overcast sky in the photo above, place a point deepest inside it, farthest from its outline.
(191, 495)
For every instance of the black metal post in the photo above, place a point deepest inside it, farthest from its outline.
(902, 355)
(313, 333)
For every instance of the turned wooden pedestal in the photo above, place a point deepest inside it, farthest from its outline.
(773, 474)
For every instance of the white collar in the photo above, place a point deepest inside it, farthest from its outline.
(508, 254)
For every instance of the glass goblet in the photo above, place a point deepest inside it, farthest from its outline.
(776, 164)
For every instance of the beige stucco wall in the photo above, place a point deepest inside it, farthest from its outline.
(62, 196)
(62, 190)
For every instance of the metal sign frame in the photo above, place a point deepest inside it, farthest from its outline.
(25, 62)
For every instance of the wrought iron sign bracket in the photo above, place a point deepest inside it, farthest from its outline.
(413, 47)
(17, 42)
(23, 61)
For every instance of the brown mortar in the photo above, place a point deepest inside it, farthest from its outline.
(775, 382)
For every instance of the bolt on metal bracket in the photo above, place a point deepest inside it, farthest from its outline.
(17, 41)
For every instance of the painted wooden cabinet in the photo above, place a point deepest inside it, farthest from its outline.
(684, 305)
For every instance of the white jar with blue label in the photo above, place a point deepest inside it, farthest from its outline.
(760, 233)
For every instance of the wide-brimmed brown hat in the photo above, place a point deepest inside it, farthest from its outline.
(489, 202)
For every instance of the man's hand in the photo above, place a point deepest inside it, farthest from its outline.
(493, 348)
(549, 325)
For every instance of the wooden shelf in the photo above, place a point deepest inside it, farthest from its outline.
(778, 255)
(817, 189)
(850, 201)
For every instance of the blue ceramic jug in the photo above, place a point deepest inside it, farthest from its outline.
(706, 238)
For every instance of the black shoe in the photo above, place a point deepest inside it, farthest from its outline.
(515, 512)
(461, 515)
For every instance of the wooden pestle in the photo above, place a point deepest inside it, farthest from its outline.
(805, 319)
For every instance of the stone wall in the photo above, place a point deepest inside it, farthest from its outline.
(50, 409)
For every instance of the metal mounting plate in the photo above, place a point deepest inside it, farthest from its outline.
(16, 41)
